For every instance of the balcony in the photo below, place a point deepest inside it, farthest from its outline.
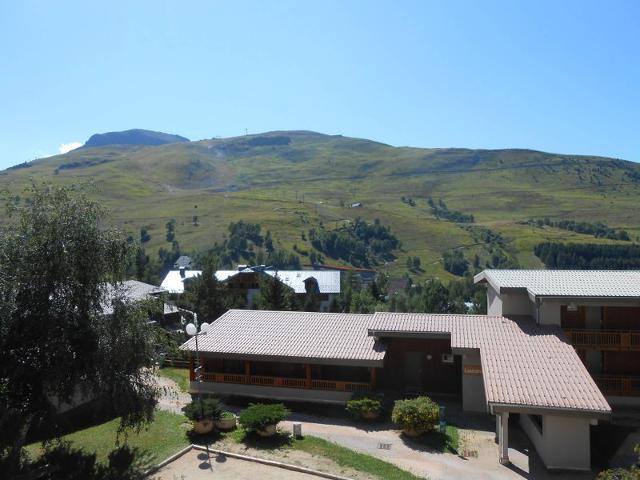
(301, 383)
(613, 340)
(618, 385)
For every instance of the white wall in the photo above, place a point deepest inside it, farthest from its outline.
(549, 310)
(509, 303)
(473, 399)
(564, 442)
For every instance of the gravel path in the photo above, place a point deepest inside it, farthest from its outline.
(172, 399)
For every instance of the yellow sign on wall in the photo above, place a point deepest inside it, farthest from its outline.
(472, 370)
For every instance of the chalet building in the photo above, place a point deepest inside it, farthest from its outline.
(599, 311)
(135, 291)
(246, 282)
(174, 280)
(511, 367)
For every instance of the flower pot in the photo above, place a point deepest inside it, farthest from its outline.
(267, 431)
(370, 415)
(227, 423)
(412, 432)
(203, 426)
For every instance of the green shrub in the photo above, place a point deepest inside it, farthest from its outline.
(358, 408)
(226, 414)
(257, 416)
(420, 414)
(207, 408)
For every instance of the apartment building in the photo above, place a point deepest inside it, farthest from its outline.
(599, 312)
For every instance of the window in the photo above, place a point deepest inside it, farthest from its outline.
(537, 421)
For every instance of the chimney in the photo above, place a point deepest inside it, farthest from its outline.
(182, 269)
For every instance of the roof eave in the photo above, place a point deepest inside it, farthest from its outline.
(347, 362)
(498, 407)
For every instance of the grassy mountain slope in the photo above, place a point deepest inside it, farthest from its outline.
(290, 181)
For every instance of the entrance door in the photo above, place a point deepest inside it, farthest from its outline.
(413, 371)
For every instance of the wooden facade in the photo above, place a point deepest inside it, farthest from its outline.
(611, 352)
(411, 366)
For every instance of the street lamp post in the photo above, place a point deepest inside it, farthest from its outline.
(192, 331)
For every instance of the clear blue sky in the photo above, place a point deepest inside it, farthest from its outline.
(560, 76)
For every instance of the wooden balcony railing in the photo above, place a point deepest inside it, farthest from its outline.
(618, 385)
(260, 380)
(616, 340)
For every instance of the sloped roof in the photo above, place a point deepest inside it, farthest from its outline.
(183, 261)
(321, 338)
(132, 290)
(565, 283)
(328, 280)
(174, 283)
(523, 364)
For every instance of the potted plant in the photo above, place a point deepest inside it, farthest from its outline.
(263, 418)
(364, 408)
(416, 415)
(203, 413)
(227, 421)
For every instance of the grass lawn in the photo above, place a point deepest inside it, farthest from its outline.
(164, 436)
(178, 375)
(346, 457)
(169, 432)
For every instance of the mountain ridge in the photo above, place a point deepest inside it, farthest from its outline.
(292, 181)
(136, 136)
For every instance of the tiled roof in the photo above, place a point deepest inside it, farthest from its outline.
(522, 363)
(132, 290)
(329, 338)
(328, 280)
(566, 283)
(174, 282)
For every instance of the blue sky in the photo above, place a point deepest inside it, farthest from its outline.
(561, 76)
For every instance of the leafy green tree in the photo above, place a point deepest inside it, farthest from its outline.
(631, 473)
(417, 264)
(274, 295)
(208, 295)
(435, 297)
(63, 330)
(144, 235)
(362, 302)
(171, 230)
(454, 262)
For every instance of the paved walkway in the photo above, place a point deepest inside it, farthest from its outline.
(382, 440)
(476, 441)
(172, 399)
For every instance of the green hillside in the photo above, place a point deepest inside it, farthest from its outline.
(291, 181)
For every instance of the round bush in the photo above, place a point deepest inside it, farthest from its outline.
(419, 414)
(257, 416)
(363, 407)
(203, 409)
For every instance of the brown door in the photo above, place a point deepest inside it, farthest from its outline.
(572, 318)
(413, 371)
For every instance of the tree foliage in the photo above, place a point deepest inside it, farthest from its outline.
(440, 210)
(588, 256)
(454, 262)
(60, 271)
(359, 243)
(597, 229)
